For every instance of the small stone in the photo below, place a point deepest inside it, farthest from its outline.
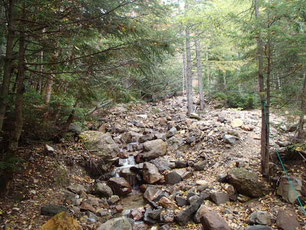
(114, 199)
(237, 123)
(200, 166)
(184, 216)
(219, 197)
(181, 201)
(120, 186)
(259, 227)
(181, 164)
(260, 217)
(121, 223)
(166, 203)
(52, 210)
(152, 193)
(77, 188)
(103, 190)
(173, 178)
(85, 206)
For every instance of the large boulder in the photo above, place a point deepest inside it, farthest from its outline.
(120, 186)
(286, 220)
(154, 149)
(151, 174)
(212, 221)
(62, 221)
(121, 223)
(286, 191)
(246, 182)
(100, 144)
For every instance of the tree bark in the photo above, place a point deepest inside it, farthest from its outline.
(8, 63)
(19, 96)
(207, 72)
(184, 71)
(300, 133)
(200, 76)
(264, 125)
(189, 68)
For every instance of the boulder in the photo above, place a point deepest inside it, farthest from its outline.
(246, 182)
(152, 193)
(212, 221)
(103, 190)
(219, 197)
(62, 221)
(119, 186)
(260, 217)
(154, 149)
(161, 163)
(100, 144)
(286, 220)
(173, 178)
(151, 174)
(286, 191)
(184, 216)
(77, 188)
(52, 210)
(121, 223)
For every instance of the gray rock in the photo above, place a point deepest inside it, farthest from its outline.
(150, 173)
(113, 199)
(167, 216)
(92, 217)
(152, 193)
(139, 225)
(119, 186)
(161, 163)
(121, 223)
(52, 210)
(246, 182)
(154, 149)
(181, 201)
(172, 132)
(194, 116)
(152, 216)
(260, 217)
(229, 139)
(103, 190)
(286, 220)
(219, 198)
(77, 188)
(165, 227)
(212, 221)
(100, 144)
(285, 190)
(184, 216)
(200, 166)
(181, 164)
(173, 178)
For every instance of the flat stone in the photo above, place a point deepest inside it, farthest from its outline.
(287, 220)
(212, 221)
(258, 227)
(119, 186)
(173, 178)
(219, 197)
(52, 210)
(121, 223)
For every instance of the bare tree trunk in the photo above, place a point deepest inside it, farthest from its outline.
(189, 74)
(300, 134)
(200, 76)
(207, 72)
(184, 71)
(264, 137)
(8, 63)
(19, 96)
(224, 80)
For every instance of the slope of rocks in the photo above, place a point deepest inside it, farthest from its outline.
(149, 166)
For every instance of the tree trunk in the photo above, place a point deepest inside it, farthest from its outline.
(264, 137)
(8, 63)
(300, 134)
(200, 76)
(189, 68)
(184, 71)
(19, 96)
(207, 73)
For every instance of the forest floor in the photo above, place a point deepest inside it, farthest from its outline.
(43, 177)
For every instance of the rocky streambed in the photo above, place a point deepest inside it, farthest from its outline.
(152, 167)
